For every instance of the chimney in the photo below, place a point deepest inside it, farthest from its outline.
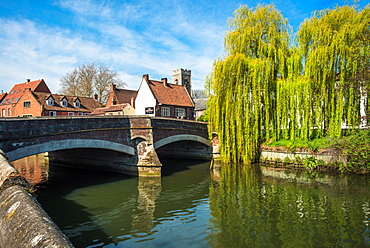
(164, 81)
(146, 77)
(112, 87)
(28, 80)
(96, 97)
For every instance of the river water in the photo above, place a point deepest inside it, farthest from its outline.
(193, 206)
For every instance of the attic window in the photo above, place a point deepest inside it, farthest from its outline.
(12, 92)
(50, 101)
(64, 102)
(18, 99)
(11, 100)
(77, 103)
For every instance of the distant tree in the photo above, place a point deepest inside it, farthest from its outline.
(88, 79)
(198, 94)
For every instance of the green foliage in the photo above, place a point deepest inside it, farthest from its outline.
(356, 147)
(203, 118)
(266, 89)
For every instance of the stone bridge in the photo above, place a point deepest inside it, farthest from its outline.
(130, 145)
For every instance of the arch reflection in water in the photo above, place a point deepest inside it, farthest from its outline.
(34, 168)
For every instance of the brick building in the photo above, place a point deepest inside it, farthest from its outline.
(33, 98)
(161, 98)
(121, 96)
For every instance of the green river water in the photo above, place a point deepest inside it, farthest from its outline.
(193, 206)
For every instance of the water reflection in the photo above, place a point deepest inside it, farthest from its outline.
(142, 219)
(255, 206)
(229, 206)
(34, 168)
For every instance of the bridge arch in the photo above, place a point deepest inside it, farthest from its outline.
(68, 144)
(181, 137)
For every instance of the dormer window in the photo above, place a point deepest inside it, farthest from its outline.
(50, 101)
(64, 102)
(77, 103)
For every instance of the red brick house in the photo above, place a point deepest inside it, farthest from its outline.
(121, 96)
(161, 98)
(33, 98)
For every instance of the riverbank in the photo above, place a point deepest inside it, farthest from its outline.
(322, 160)
(23, 222)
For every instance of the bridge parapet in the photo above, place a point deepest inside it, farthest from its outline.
(137, 137)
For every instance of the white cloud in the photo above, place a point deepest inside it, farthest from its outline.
(133, 39)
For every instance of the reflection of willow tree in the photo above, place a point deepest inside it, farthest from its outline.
(248, 212)
(264, 88)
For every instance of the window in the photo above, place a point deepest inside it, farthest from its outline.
(9, 112)
(77, 103)
(64, 102)
(180, 112)
(11, 100)
(50, 101)
(80, 113)
(27, 115)
(27, 104)
(52, 113)
(165, 111)
(71, 114)
(17, 99)
(3, 113)
(12, 92)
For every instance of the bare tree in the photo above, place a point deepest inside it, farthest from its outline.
(88, 79)
(198, 94)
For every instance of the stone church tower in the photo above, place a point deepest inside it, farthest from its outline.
(182, 77)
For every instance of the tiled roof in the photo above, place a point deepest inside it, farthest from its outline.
(87, 104)
(112, 108)
(170, 94)
(124, 96)
(200, 104)
(17, 91)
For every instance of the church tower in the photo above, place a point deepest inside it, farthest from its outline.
(182, 77)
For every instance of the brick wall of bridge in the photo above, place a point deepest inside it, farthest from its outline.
(165, 127)
(21, 132)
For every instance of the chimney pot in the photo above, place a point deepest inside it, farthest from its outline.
(164, 81)
(112, 87)
(146, 77)
(28, 80)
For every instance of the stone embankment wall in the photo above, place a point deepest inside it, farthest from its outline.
(280, 155)
(23, 222)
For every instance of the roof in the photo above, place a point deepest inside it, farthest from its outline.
(170, 94)
(2, 95)
(17, 91)
(124, 96)
(87, 104)
(200, 104)
(112, 108)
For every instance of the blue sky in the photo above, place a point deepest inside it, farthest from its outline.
(46, 39)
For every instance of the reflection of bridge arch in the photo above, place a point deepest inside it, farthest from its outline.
(181, 137)
(56, 145)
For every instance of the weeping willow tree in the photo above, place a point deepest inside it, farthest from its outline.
(335, 43)
(243, 84)
(263, 89)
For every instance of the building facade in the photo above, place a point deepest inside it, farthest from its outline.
(164, 99)
(33, 98)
